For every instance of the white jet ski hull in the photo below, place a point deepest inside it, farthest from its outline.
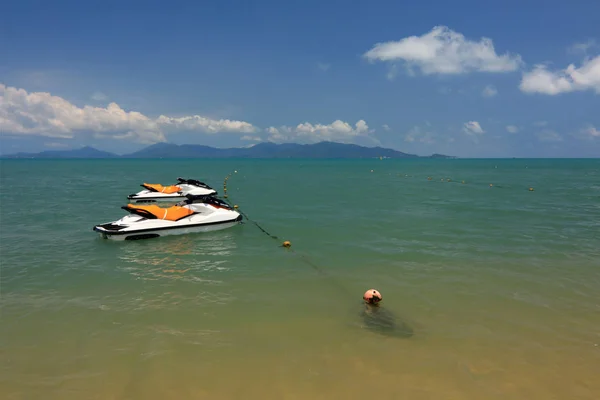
(151, 221)
(159, 232)
(188, 187)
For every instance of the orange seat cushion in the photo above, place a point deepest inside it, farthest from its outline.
(171, 214)
(162, 189)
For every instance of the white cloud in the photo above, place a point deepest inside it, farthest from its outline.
(489, 91)
(339, 131)
(548, 135)
(417, 134)
(386, 127)
(251, 138)
(206, 125)
(444, 51)
(40, 113)
(512, 129)
(473, 128)
(590, 132)
(571, 79)
(540, 123)
(393, 71)
(582, 47)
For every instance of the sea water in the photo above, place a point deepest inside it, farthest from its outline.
(498, 285)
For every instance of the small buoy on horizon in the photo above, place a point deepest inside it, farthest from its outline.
(463, 182)
(531, 189)
(371, 170)
(287, 243)
(372, 296)
(235, 171)
(235, 206)
(491, 185)
(225, 196)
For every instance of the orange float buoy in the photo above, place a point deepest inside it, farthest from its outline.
(372, 296)
(287, 243)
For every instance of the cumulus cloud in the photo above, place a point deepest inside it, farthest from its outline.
(512, 129)
(590, 132)
(338, 131)
(417, 134)
(571, 79)
(473, 128)
(582, 47)
(444, 51)
(203, 124)
(40, 113)
(251, 138)
(385, 127)
(489, 91)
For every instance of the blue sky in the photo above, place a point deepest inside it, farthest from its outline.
(466, 78)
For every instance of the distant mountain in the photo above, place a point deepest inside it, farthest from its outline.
(169, 150)
(261, 150)
(84, 152)
(268, 150)
(440, 156)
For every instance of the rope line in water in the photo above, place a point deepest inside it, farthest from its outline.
(241, 212)
(258, 226)
(306, 259)
(286, 244)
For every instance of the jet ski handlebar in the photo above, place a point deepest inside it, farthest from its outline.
(198, 197)
(194, 182)
(205, 198)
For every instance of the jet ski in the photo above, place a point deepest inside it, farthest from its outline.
(194, 214)
(155, 192)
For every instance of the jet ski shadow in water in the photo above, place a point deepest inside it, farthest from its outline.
(379, 319)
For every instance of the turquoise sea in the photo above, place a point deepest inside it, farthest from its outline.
(496, 288)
